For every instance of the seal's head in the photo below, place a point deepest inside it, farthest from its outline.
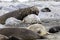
(39, 29)
(34, 10)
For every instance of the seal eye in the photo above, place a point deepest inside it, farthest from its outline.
(39, 32)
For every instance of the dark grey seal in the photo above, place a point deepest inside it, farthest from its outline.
(19, 33)
(19, 14)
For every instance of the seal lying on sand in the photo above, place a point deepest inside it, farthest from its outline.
(32, 18)
(19, 14)
(38, 28)
(54, 29)
(19, 33)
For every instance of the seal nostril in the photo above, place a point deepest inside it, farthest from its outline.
(39, 32)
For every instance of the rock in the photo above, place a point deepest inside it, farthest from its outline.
(46, 9)
(19, 14)
(38, 28)
(2, 37)
(32, 18)
(12, 21)
(2, 26)
(20, 33)
(54, 29)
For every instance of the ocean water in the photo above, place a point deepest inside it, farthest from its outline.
(53, 6)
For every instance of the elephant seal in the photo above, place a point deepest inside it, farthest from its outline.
(38, 28)
(19, 14)
(20, 33)
(54, 29)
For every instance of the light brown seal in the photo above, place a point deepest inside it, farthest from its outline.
(38, 28)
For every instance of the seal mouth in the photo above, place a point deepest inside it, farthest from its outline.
(42, 37)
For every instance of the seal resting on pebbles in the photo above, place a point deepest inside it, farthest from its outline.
(32, 18)
(19, 14)
(54, 29)
(38, 28)
(20, 33)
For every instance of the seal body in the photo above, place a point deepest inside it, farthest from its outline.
(32, 18)
(19, 14)
(38, 28)
(19, 33)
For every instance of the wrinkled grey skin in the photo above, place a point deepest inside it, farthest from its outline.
(19, 14)
(20, 33)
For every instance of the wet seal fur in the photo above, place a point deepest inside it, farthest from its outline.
(19, 33)
(19, 14)
(54, 29)
(39, 29)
